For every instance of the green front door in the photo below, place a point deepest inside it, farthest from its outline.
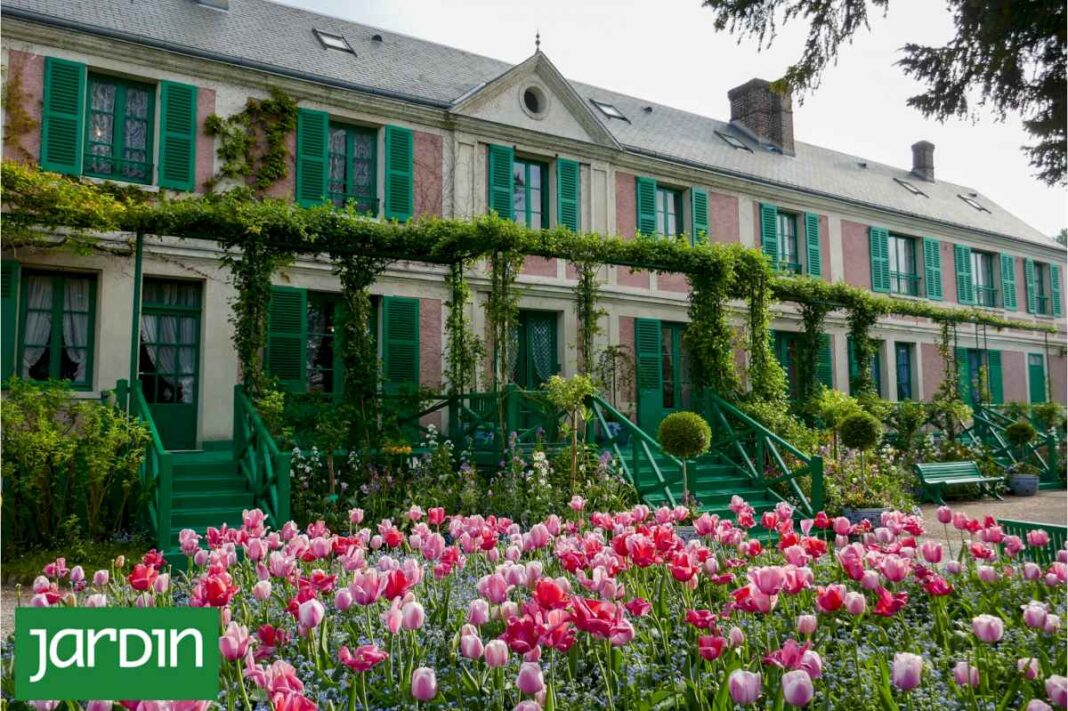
(662, 371)
(534, 350)
(1036, 377)
(168, 366)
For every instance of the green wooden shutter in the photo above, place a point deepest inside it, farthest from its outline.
(813, 254)
(400, 343)
(879, 248)
(9, 310)
(649, 373)
(1036, 377)
(1008, 282)
(63, 116)
(645, 201)
(964, 384)
(501, 181)
(178, 136)
(932, 268)
(962, 258)
(313, 130)
(567, 194)
(1029, 282)
(287, 337)
(769, 231)
(1055, 288)
(699, 210)
(825, 362)
(994, 377)
(400, 172)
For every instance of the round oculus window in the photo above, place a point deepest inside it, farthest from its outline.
(534, 101)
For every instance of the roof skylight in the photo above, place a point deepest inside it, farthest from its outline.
(331, 41)
(609, 110)
(973, 202)
(733, 141)
(910, 187)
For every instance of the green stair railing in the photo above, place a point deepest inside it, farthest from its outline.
(264, 465)
(1045, 554)
(156, 468)
(641, 454)
(988, 427)
(764, 456)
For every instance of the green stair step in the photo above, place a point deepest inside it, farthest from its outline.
(201, 457)
(200, 519)
(204, 484)
(192, 500)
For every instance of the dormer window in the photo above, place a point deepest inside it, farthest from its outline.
(970, 199)
(609, 110)
(910, 187)
(331, 41)
(733, 141)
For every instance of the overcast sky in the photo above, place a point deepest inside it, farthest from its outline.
(667, 51)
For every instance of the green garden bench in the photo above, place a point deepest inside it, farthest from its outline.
(1046, 555)
(936, 476)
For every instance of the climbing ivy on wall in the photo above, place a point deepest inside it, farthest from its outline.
(253, 143)
(464, 350)
(18, 121)
(813, 317)
(767, 379)
(709, 337)
(588, 312)
(502, 312)
(862, 316)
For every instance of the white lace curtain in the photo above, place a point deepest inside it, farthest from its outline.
(76, 325)
(38, 329)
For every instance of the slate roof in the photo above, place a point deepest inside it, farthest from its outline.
(277, 37)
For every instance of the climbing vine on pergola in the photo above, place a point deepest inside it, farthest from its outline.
(260, 235)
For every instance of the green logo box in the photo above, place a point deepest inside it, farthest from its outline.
(69, 653)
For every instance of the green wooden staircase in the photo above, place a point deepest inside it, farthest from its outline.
(746, 459)
(988, 428)
(213, 486)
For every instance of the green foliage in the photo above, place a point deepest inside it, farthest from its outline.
(767, 379)
(1008, 56)
(253, 142)
(685, 435)
(1020, 433)
(859, 481)
(1049, 416)
(464, 350)
(588, 312)
(70, 467)
(946, 409)
(615, 376)
(907, 419)
(709, 338)
(778, 418)
(831, 407)
(860, 430)
(502, 312)
(570, 395)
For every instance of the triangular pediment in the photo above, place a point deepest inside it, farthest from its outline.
(556, 107)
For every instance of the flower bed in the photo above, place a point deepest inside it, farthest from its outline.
(632, 610)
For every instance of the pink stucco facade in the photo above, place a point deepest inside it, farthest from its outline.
(723, 218)
(30, 69)
(427, 180)
(673, 282)
(856, 255)
(205, 143)
(430, 351)
(1058, 369)
(949, 272)
(932, 368)
(626, 331)
(626, 227)
(825, 248)
(539, 266)
(286, 188)
(1014, 376)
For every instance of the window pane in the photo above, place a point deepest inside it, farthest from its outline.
(668, 367)
(338, 161)
(519, 192)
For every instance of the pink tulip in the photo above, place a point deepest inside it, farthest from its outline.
(797, 687)
(842, 526)
(1028, 667)
(494, 588)
(855, 603)
(1031, 571)
(895, 568)
(310, 613)
(931, 552)
(944, 514)
(412, 615)
(907, 670)
(806, 624)
(987, 574)
(355, 516)
(527, 705)
(1037, 538)
(965, 674)
(988, 628)
(736, 637)
(530, 679)
(342, 598)
(768, 579)
(392, 618)
(478, 612)
(1034, 614)
(100, 578)
(234, 642)
(496, 653)
(262, 590)
(1038, 705)
(1053, 624)
(99, 706)
(471, 646)
(745, 686)
(97, 600)
(424, 684)
(1057, 691)
(77, 574)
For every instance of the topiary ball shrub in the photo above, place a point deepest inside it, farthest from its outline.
(860, 431)
(1020, 433)
(685, 435)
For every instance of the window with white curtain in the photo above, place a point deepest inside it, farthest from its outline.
(56, 328)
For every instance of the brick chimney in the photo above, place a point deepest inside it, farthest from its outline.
(923, 160)
(764, 113)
